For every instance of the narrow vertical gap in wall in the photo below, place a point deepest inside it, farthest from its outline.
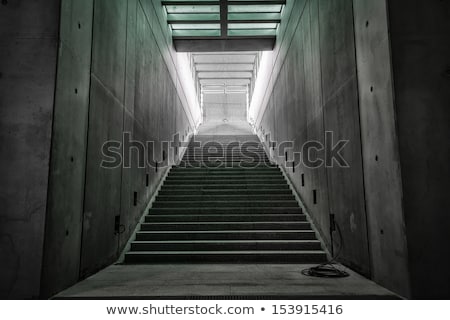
(327, 191)
(49, 181)
(367, 25)
(123, 115)
(80, 272)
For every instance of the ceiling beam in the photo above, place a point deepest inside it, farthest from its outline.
(220, 45)
(223, 18)
(222, 71)
(211, 3)
(224, 78)
(225, 64)
(217, 21)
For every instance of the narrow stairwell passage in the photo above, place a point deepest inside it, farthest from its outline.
(225, 203)
(223, 229)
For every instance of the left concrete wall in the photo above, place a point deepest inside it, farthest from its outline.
(117, 74)
(28, 56)
(73, 75)
(68, 154)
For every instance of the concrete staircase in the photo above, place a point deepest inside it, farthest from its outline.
(237, 208)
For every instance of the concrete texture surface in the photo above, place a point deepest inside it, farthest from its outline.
(380, 147)
(28, 56)
(314, 89)
(168, 281)
(420, 33)
(225, 128)
(331, 71)
(225, 114)
(69, 141)
(129, 85)
(197, 229)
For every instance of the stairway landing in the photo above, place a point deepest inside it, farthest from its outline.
(222, 282)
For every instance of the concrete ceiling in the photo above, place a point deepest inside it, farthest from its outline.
(225, 72)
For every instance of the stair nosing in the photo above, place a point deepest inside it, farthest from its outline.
(228, 252)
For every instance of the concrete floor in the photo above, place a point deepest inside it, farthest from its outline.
(220, 281)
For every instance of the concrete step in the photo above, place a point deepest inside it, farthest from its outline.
(217, 161)
(225, 187)
(226, 235)
(210, 226)
(229, 155)
(226, 170)
(225, 149)
(225, 153)
(230, 164)
(225, 245)
(235, 158)
(225, 192)
(227, 203)
(226, 210)
(249, 256)
(233, 208)
(243, 180)
(224, 197)
(223, 175)
(230, 160)
(180, 218)
(223, 172)
(229, 177)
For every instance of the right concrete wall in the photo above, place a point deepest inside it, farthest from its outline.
(375, 73)
(382, 173)
(314, 90)
(331, 72)
(420, 33)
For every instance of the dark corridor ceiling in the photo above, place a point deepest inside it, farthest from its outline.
(221, 25)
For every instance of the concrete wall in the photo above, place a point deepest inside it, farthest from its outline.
(28, 55)
(420, 33)
(382, 176)
(377, 75)
(117, 73)
(225, 114)
(313, 89)
(220, 106)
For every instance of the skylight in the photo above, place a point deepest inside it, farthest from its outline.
(224, 20)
